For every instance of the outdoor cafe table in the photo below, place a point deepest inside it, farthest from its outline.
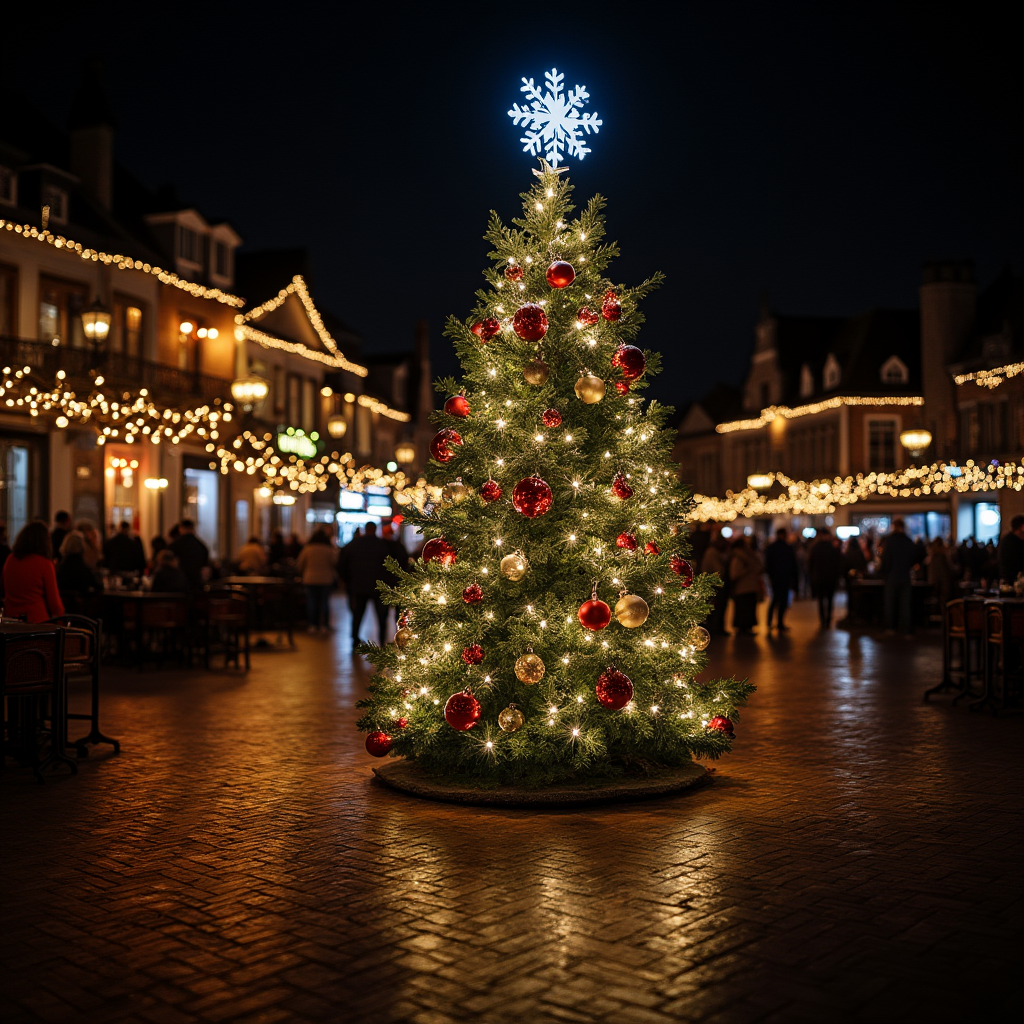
(866, 603)
(115, 600)
(263, 586)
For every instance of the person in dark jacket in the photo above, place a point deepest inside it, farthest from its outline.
(899, 556)
(780, 564)
(168, 577)
(75, 580)
(192, 554)
(276, 554)
(124, 552)
(1011, 551)
(61, 528)
(361, 564)
(824, 567)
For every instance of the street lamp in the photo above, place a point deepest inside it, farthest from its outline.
(337, 425)
(405, 452)
(96, 320)
(760, 482)
(916, 441)
(249, 391)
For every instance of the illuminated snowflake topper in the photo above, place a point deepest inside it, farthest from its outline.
(554, 122)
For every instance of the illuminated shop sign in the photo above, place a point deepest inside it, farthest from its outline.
(298, 442)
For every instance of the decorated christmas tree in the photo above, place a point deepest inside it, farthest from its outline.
(551, 628)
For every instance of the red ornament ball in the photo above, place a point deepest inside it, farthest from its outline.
(457, 406)
(378, 744)
(551, 418)
(622, 386)
(651, 548)
(682, 568)
(611, 308)
(594, 614)
(722, 724)
(629, 361)
(439, 550)
(532, 497)
(627, 541)
(473, 654)
(621, 488)
(530, 322)
(560, 274)
(442, 445)
(486, 329)
(490, 491)
(473, 594)
(400, 723)
(614, 689)
(514, 272)
(587, 316)
(462, 711)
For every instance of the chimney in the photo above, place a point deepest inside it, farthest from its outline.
(92, 136)
(948, 293)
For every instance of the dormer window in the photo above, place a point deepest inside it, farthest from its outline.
(55, 201)
(189, 246)
(806, 381)
(894, 372)
(8, 186)
(832, 374)
(221, 260)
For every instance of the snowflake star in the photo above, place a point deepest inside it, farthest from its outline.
(553, 120)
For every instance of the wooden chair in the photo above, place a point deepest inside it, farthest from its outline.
(963, 650)
(165, 622)
(1004, 657)
(225, 614)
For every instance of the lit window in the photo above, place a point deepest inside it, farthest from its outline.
(57, 200)
(832, 373)
(894, 372)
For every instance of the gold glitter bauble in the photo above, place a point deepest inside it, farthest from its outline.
(402, 637)
(536, 372)
(590, 389)
(456, 491)
(631, 611)
(529, 669)
(510, 719)
(513, 567)
(698, 638)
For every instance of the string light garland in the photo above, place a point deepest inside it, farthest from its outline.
(785, 412)
(245, 332)
(990, 378)
(376, 405)
(121, 262)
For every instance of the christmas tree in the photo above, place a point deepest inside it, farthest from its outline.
(551, 629)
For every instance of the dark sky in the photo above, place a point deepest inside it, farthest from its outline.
(815, 153)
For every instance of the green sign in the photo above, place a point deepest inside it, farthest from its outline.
(298, 442)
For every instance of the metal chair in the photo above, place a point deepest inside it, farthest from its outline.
(963, 649)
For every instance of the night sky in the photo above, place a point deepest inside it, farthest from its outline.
(817, 154)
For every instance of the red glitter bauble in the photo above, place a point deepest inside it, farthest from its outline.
(514, 272)
(473, 594)
(722, 724)
(611, 308)
(439, 550)
(486, 329)
(462, 711)
(614, 689)
(587, 316)
(630, 361)
(530, 322)
(490, 491)
(532, 497)
(594, 614)
(560, 274)
(682, 568)
(651, 548)
(620, 487)
(551, 418)
(457, 406)
(378, 744)
(473, 654)
(442, 444)
(400, 723)
(622, 386)
(627, 541)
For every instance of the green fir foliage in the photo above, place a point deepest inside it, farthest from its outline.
(567, 733)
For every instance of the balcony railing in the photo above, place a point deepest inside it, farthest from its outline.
(165, 383)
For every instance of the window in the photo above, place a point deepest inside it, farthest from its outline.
(60, 307)
(308, 405)
(8, 186)
(126, 328)
(832, 373)
(188, 245)
(57, 200)
(294, 413)
(221, 260)
(8, 301)
(894, 372)
(279, 395)
(806, 381)
(882, 445)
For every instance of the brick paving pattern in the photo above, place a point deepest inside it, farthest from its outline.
(858, 859)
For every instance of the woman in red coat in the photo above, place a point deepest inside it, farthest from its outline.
(30, 582)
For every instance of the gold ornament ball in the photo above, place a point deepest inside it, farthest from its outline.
(536, 372)
(699, 638)
(402, 637)
(529, 669)
(590, 389)
(455, 492)
(631, 611)
(513, 567)
(510, 719)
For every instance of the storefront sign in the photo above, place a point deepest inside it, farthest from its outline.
(296, 442)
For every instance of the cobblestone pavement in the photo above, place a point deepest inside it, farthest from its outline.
(858, 859)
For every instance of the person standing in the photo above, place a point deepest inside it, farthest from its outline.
(192, 554)
(1011, 551)
(123, 552)
(362, 564)
(30, 581)
(252, 559)
(91, 540)
(716, 560)
(825, 567)
(317, 562)
(940, 571)
(745, 570)
(899, 556)
(780, 564)
(61, 528)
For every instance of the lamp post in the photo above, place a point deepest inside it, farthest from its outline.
(916, 441)
(337, 426)
(760, 482)
(405, 453)
(249, 391)
(96, 320)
